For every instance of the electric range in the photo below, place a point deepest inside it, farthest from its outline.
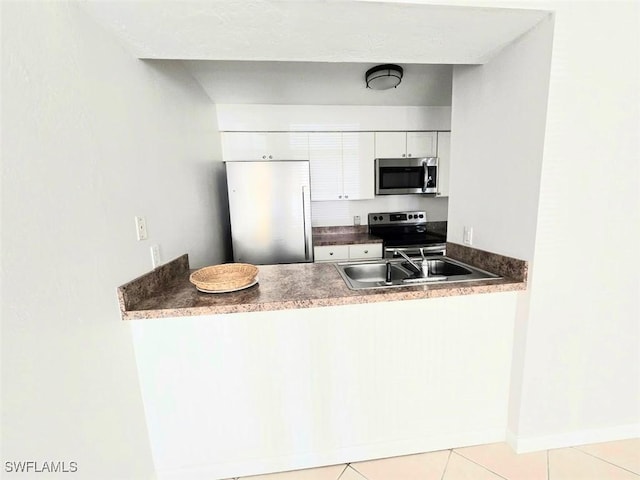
(406, 231)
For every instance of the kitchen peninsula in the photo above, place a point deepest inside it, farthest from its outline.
(166, 291)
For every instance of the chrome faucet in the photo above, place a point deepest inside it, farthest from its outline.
(423, 268)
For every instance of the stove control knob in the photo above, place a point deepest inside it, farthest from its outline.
(410, 217)
(421, 215)
(375, 218)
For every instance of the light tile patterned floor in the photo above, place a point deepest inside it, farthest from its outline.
(603, 461)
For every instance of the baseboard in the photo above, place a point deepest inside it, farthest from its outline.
(571, 439)
(357, 453)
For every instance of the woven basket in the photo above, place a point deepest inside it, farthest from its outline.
(227, 276)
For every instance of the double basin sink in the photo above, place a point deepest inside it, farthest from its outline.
(401, 273)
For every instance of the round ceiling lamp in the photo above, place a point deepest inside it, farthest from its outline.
(384, 77)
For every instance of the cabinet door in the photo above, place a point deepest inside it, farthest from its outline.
(421, 144)
(358, 165)
(444, 163)
(365, 251)
(265, 146)
(243, 145)
(287, 145)
(325, 162)
(390, 144)
(330, 253)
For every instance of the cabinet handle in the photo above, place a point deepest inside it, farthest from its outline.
(330, 253)
(408, 155)
(264, 157)
(366, 251)
(346, 196)
(403, 155)
(339, 196)
(270, 157)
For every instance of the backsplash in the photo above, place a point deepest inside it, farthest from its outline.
(340, 230)
(436, 227)
(338, 213)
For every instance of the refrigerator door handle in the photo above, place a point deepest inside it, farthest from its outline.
(305, 222)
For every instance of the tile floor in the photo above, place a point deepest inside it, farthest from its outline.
(602, 461)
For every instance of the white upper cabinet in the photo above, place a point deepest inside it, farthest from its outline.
(265, 146)
(325, 163)
(405, 144)
(358, 169)
(422, 144)
(444, 163)
(391, 144)
(342, 166)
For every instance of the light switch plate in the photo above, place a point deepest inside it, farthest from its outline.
(155, 256)
(467, 236)
(141, 228)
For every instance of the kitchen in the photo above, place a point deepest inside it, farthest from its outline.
(99, 353)
(329, 118)
(268, 182)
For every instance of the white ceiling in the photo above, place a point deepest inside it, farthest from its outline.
(318, 83)
(313, 52)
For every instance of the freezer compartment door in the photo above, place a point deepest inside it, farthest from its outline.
(270, 209)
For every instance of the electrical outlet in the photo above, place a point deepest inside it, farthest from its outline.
(141, 228)
(467, 236)
(356, 219)
(155, 256)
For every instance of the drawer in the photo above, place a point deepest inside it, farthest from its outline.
(365, 250)
(331, 253)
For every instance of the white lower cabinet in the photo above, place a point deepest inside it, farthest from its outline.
(365, 251)
(340, 253)
(331, 253)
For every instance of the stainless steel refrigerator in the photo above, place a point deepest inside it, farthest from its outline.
(270, 210)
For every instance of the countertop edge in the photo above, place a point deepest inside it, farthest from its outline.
(166, 292)
(506, 285)
(317, 303)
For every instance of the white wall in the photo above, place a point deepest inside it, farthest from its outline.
(581, 361)
(91, 138)
(241, 117)
(576, 365)
(497, 135)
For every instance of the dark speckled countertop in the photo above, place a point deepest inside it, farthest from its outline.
(167, 292)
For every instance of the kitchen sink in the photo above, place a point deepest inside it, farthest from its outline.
(400, 273)
(374, 272)
(439, 266)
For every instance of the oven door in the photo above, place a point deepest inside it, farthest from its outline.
(439, 249)
(399, 176)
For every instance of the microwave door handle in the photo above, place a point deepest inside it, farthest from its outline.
(425, 175)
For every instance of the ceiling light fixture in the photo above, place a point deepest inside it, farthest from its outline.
(384, 77)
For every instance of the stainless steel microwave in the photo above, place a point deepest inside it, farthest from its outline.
(400, 176)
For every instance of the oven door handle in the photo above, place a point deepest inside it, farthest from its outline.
(435, 248)
(439, 249)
